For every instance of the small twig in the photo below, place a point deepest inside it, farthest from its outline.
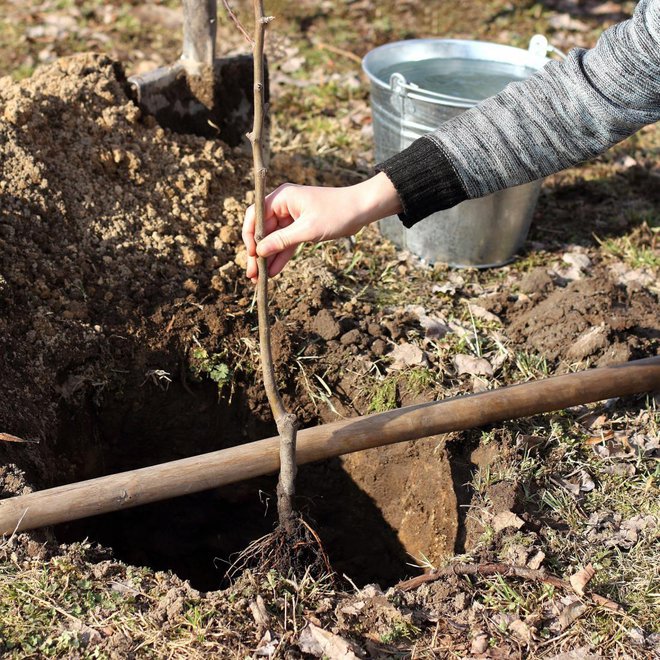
(483, 570)
(237, 22)
(339, 51)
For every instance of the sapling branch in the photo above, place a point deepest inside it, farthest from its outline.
(237, 22)
(287, 423)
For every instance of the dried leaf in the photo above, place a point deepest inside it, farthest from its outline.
(578, 265)
(637, 636)
(483, 314)
(529, 442)
(479, 644)
(7, 437)
(408, 355)
(571, 613)
(522, 631)
(455, 283)
(598, 439)
(468, 364)
(124, 588)
(645, 445)
(458, 329)
(615, 444)
(259, 612)
(434, 327)
(577, 259)
(323, 643)
(580, 579)
(592, 420)
(267, 646)
(507, 519)
(587, 484)
(571, 486)
(353, 609)
(536, 560)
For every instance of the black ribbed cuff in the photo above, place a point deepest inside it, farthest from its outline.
(425, 180)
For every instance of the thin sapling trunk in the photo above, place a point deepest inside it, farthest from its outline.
(294, 547)
(287, 423)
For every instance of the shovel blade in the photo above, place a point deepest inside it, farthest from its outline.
(215, 102)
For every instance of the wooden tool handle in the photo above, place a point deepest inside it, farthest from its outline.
(198, 473)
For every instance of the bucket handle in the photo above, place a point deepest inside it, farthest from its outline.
(403, 89)
(400, 101)
(539, 48)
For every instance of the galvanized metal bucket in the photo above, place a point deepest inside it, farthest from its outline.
(481, 232)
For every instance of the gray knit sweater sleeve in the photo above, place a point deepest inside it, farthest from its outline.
(569, 111)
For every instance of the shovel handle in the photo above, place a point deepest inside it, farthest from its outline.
(227, 466)
(199, 29)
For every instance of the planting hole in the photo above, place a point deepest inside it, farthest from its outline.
(377, 512)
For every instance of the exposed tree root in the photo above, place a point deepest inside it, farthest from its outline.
(295, 550)
(482, 570)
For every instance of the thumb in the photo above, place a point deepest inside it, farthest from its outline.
(280, 240)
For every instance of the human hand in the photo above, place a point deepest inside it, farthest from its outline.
(295, 214)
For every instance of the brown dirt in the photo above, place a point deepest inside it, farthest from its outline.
(105, 219)
(410, 483)
(595, 318)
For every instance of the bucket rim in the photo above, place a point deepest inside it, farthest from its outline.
(422, 94)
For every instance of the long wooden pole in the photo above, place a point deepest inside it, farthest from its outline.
(219, 468)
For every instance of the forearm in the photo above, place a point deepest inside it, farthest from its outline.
(374, 199)
(567, 113)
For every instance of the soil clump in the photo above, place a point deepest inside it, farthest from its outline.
(596, 318)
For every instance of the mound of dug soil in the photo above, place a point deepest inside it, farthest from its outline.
(594, 318)
(104, 216)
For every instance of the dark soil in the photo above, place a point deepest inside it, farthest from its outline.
(596, 318)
